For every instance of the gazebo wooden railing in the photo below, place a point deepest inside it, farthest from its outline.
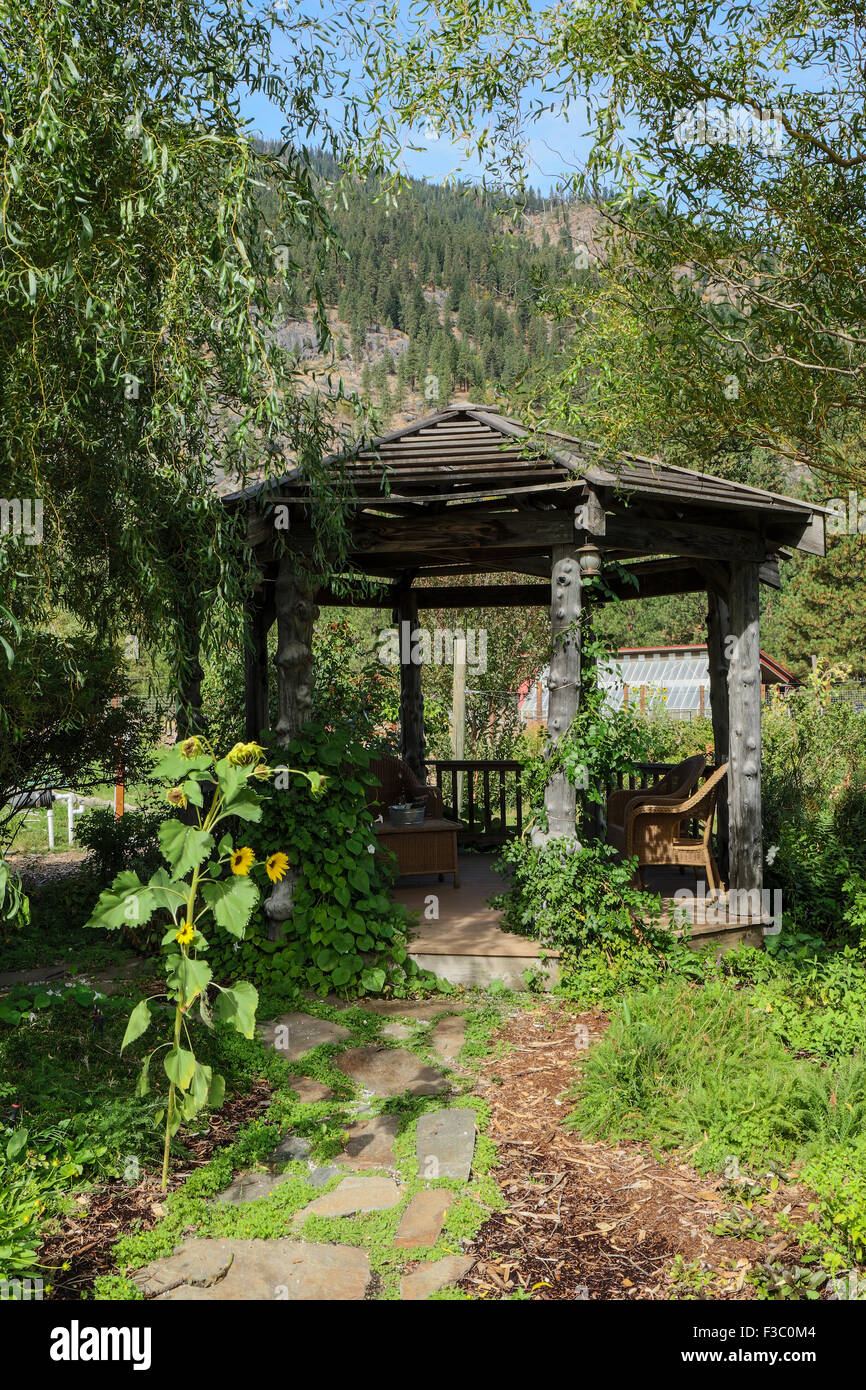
(492, 803)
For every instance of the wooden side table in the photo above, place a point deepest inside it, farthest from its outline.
(428, 848)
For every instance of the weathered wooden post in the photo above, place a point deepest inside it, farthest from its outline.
(189, 718)
(718, 627)
(744, 705)
(563, 687)
(296, 614)
(413, 745)
(569, 564)
(258, 617)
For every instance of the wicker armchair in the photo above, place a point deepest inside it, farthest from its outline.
(674, 786)
(397, 783)
(654, 831)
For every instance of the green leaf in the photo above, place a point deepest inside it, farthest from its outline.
(128, 902)
(231, 901)
(192, 792)
(373, 980)
(167, 892)
(239, 798)
(179, 1066)
(139, 1022)
(189, 977)
(17, 1143)
(237, 1006)
(173, 766)
(217, 1092)
(184, 846)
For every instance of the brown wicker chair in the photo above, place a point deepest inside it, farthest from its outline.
(654, 831)
(674, 786)
(397, 783)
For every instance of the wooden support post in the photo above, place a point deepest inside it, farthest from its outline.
(296, 615)
(458, 715)
(744, 705)
(258, 617)
(413, 746)
(718, 628)
(563, 685)
(188, 711)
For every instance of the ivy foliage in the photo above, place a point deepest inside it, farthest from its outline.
(344, 934)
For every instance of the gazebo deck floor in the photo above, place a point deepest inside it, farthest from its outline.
(466, 945)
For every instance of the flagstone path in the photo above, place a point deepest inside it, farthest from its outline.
(408, 1172)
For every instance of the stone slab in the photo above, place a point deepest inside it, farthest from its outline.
(398, 1032)
(310, 1091)
(447, 1038)
(371, 1143)
(292, 1148)
(249, 1187)
(355, 1194)
(412, 1008)
(423, 1279)
(445, 1143)
(421, 1222)
(279, 1269)
(389, 1071)
(317, 1177)
(292, 1035)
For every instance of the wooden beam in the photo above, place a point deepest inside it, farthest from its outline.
(744, 706)
(690, 538)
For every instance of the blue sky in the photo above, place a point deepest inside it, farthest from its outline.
(553, 151)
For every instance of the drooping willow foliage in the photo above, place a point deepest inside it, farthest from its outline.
(142, 286)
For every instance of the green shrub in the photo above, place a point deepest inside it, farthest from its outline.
(814, 807)
(130, 841)
(572, 899)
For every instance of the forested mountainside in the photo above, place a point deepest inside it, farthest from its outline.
(434, 297)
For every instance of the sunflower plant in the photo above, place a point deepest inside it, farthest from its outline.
(206, 875)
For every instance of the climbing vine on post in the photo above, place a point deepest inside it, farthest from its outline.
(204, 877)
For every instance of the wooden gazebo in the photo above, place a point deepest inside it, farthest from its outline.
(467, 491)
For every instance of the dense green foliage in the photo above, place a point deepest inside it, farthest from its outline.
(344, 934)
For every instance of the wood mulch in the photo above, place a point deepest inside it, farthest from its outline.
(590, 1220)
(79, 1245)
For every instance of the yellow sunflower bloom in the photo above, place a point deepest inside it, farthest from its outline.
(176, 796)
(192, 747)
(185, 935)
(277, 866)
(242, 860)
